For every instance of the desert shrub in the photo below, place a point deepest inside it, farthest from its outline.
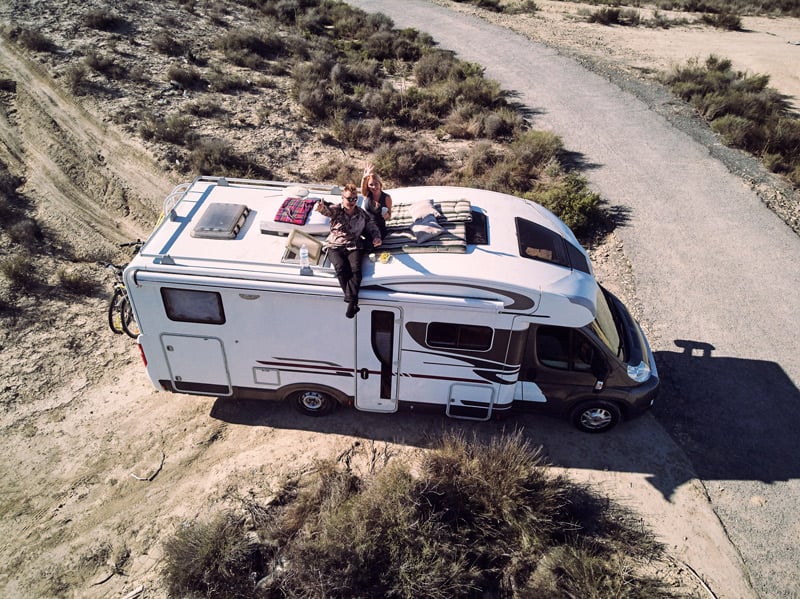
(470, 519)
(20, 271)
(742, 109)
(105, 20)
(105, 65)
(340, 170)
(573, 202)
(33, 40)
(434, 66)
(164, 43)
(217, 157)
(487, 4)
(723, 20)
(9, 183)
(204, 107)
(75, 78)
(186, 77)
(225, 82)
(405, 162)
(24, 231)
(521, 8)
(76, 282)
(174, 129)
(615, 16)
(249, 48)
(358, 133)
(213, 559)
(384, 102)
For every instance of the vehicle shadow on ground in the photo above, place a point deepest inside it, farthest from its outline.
(735, 418)
(732, 418)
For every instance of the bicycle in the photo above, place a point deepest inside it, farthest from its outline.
(120, 313)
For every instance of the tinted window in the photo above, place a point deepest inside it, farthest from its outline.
(563, 348)
(540, 243)
(577, 259)
(459, 336)
(188, 305)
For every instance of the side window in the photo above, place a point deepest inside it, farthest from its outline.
(564, 348)
(188, 305)
(459, 336)
(552, 346)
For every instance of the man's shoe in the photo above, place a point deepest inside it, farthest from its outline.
(352, 309)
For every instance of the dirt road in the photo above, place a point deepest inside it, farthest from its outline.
(715, 273)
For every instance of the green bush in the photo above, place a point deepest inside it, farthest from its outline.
(470, 519)
(573, 202)
(249, 48)
(174, 129)
(217, 157)
(742, 109)
(406, 162)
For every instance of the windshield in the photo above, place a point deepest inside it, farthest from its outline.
(605, 324)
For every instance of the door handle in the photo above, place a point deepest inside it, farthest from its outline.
(364, 373)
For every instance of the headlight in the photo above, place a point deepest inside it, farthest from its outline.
(639, 373)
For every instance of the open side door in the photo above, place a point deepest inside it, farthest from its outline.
(377, 358)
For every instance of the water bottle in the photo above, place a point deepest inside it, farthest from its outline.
(305, 268)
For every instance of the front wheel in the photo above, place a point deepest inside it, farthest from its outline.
(312, 403)
(115, 311)
(596, 416)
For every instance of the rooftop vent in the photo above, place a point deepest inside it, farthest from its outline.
(221, 221)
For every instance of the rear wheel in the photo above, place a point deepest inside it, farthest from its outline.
(312, 403)
(596, 416)
(129, 324)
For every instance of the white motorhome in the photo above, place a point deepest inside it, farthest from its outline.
(497, 310)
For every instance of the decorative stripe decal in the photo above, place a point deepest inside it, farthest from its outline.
(519, 302)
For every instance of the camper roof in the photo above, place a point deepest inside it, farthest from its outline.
(234, 229)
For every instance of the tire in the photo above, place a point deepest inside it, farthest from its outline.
(129, 324)
(115, 312)
(313, 403)
(596, 416)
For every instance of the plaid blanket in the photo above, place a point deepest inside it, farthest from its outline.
(295, 210)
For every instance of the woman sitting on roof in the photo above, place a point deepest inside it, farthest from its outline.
(377, 202)
(348, 223)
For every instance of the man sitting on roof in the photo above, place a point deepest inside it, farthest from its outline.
(348, 223)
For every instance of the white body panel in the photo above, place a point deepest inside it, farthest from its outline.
(282, 330)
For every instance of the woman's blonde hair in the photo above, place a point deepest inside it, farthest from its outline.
(365, 182)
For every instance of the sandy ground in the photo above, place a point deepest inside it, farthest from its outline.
(98, 468)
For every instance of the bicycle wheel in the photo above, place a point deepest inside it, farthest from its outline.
(115, 311)
(129, 324)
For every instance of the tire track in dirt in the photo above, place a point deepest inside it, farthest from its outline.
(84, 175)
